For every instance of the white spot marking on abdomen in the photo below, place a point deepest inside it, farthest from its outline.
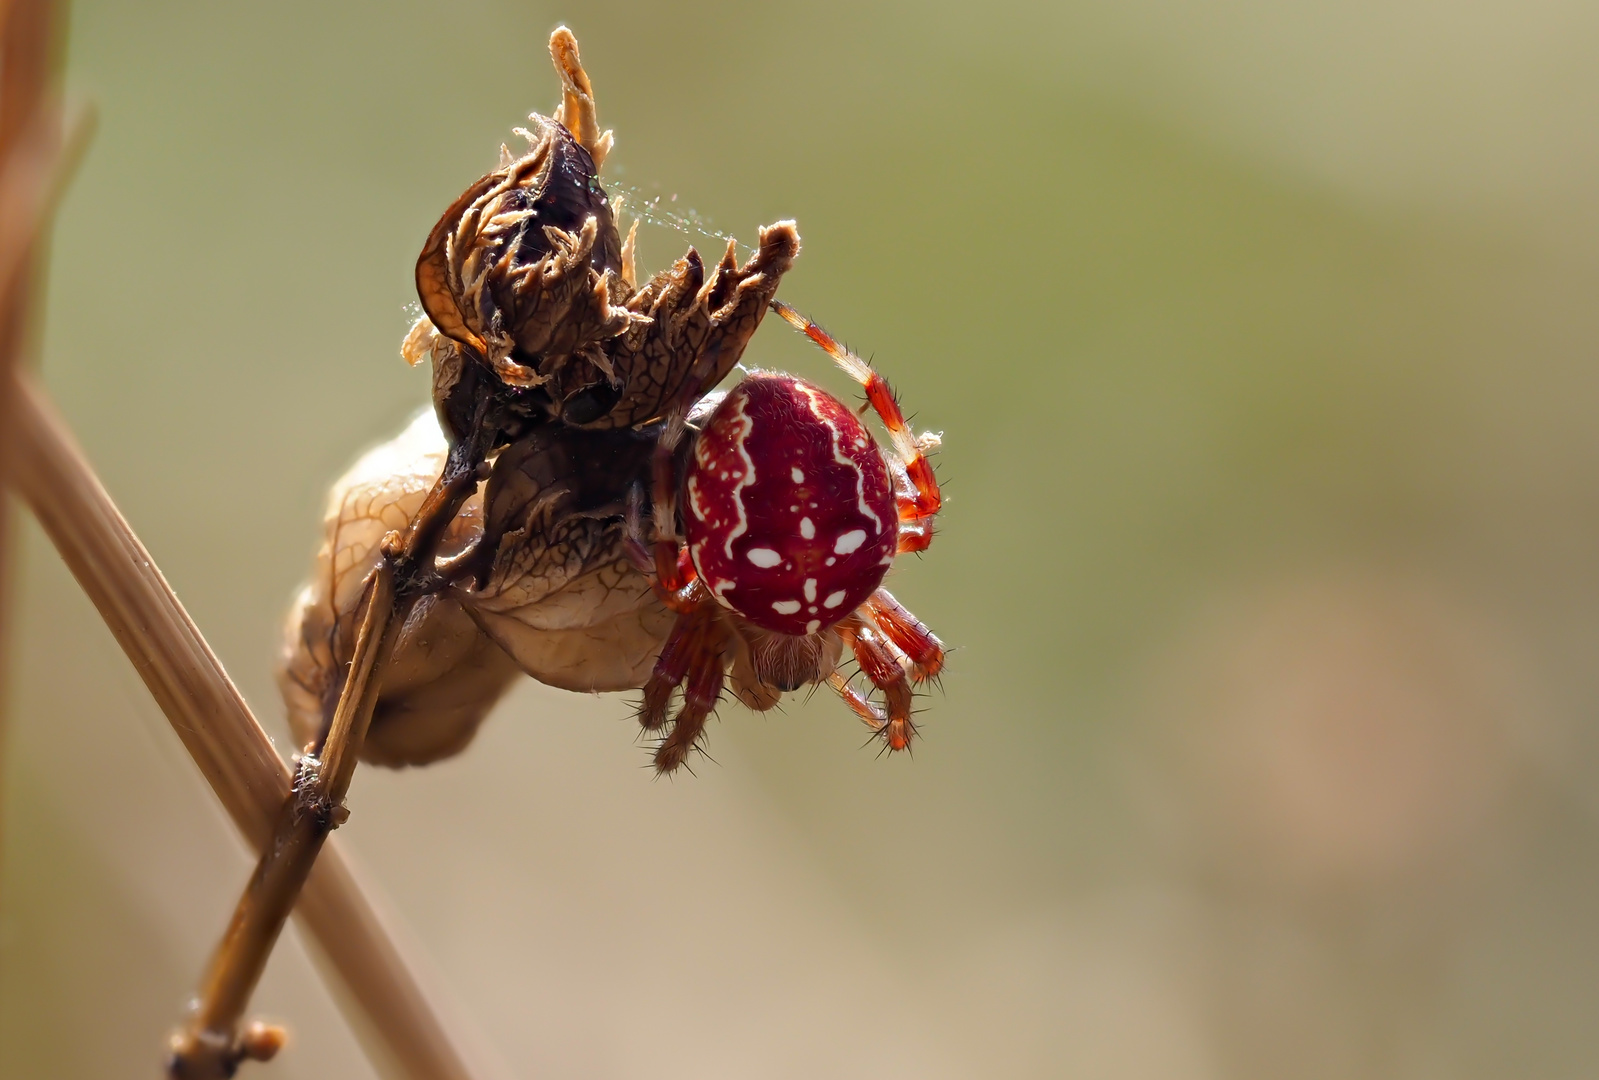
(845, 544)
(766, 558)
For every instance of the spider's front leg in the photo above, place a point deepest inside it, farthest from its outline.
(916, 493)
(894, 650)
(694, 655)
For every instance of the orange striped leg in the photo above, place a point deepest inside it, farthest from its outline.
(915, 528)
(693, 652)
(914, 538)
(677, 589)
(911, 449)
(879, 661)
(870, 714)
(919, 644)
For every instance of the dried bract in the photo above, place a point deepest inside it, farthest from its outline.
(444, 675)
(527, 274)
(520, 269)
(699, 323)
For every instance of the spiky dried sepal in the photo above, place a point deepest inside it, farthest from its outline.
(697, 327)
(521, 269)
(577, 109)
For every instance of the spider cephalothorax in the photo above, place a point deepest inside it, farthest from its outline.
(791, 515)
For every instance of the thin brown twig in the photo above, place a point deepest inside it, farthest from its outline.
(217, 728)
(212, 1045)
(39, 456)
(27, 63)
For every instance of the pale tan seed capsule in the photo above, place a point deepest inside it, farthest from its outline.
(560, 601)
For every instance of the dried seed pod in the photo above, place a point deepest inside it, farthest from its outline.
(521, 268)
(560, 374)
(560, 594)
(558, 598)
(445, 675)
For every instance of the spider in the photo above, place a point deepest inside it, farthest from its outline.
(791, 516)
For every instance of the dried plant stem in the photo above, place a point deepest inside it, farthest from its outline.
(26, 71)
(212, 1045)
(218, 730)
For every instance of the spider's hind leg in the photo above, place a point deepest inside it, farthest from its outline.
(919, 644)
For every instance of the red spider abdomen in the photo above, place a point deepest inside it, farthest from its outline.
(788, 506)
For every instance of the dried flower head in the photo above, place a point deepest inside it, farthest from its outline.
(522, 267)
(527, 274)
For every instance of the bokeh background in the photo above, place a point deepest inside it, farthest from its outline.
(1264, 341)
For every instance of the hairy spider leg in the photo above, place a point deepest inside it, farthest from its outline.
(641, 553)
(915, 533)
(908, 633)
(879, 661)
(693, 653)
(671, 668)
(870, 714)
(634, 543)
(918, 498)
(700, 696)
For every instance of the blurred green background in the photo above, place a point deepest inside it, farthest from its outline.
(1263, 338)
